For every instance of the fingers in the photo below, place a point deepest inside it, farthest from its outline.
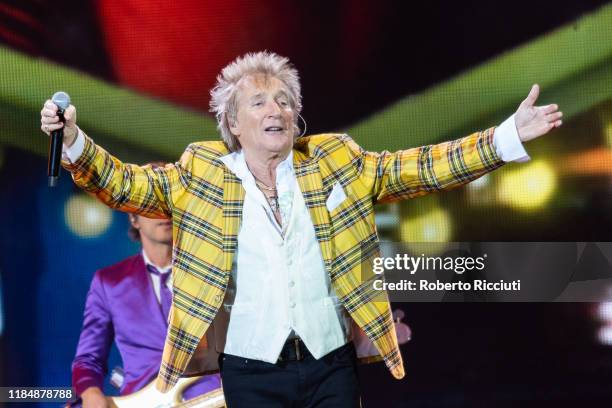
(48, 128)
(50, 105)
(50, 121)
(553, 117)
(48, 116)
(45, 112)
(553, 120)
(532, 97)
(552, 125)
(70, 112)
(544, 128)
(50, 109)
(549, 108)
(51, 127)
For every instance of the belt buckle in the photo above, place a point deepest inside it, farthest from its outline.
(298, 352)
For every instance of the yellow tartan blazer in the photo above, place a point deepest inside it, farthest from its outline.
(204, 200)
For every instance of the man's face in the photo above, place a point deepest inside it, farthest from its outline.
(265, 118)
(153, 230)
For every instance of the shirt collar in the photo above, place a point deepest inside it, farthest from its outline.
(236, 162)
(147, 261)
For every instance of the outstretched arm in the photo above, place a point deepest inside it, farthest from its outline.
(127, 187)
(422, 170)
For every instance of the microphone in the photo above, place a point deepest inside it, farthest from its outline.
(62, 100)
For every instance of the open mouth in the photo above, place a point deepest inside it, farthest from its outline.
(274, 129)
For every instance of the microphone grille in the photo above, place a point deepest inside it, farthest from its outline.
(61, 99)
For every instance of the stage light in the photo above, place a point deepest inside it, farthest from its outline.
(428, 231)
(479, 191)
(86, 217)
(480, 183)
(608, 133)
(528, 187)
(604, 312)
(387, 216)
(593, 162)
(433, 226)
(604, 335)
(604, 317)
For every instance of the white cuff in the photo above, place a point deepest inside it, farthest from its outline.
(75, 151)
(507, 143)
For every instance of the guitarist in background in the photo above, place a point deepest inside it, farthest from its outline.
(129, 302)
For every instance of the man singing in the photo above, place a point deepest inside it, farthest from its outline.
(274, 233)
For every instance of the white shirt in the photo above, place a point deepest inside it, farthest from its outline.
(279, 281)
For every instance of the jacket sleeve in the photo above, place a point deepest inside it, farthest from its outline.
(128, 187)
(90, 363)
(422, 170)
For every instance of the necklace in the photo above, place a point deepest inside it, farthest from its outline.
(263, 185)
(273, 199)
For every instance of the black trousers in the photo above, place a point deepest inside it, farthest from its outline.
(330, 382)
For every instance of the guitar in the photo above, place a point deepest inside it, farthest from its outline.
(149, 397)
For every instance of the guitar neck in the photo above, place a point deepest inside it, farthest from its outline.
(212, 399)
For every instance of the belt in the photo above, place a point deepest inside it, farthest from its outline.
(294, 350)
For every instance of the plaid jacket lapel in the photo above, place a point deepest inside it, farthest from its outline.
(309, 179)
(233, 200)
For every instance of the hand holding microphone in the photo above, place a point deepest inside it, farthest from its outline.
(58, 119)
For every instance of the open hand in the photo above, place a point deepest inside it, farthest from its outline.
(534, 121)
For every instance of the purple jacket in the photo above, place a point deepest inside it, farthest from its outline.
(121, 306)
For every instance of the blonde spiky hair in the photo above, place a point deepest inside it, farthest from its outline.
(223, 101)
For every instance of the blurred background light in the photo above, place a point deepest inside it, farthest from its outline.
(608, 133)
(433, 226)
(428, 228)
(479, 191)
(592, 162)
(480, 183)
(528, 187)
(604, 335)
(86, 217)
(606, 117)
(387, 218)
(604, 312)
